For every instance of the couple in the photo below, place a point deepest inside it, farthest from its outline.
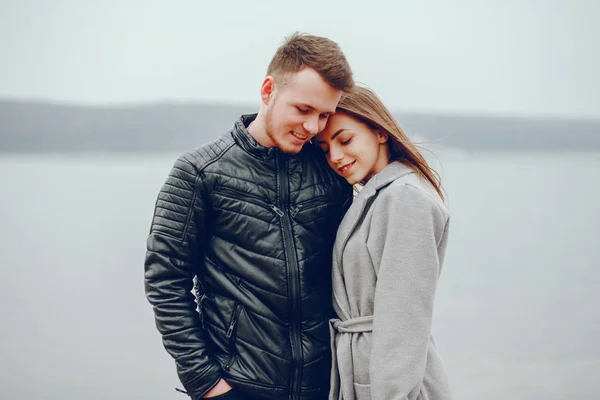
(253, 231)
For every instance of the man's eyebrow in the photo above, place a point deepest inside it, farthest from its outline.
(308, 106)
(334, 135)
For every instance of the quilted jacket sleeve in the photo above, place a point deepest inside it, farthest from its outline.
(172, 259)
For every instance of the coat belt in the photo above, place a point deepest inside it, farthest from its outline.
(342, 372)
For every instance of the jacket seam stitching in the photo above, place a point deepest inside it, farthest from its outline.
(240, 213)
(216, 158)
(195, 192)
(191, 211)
(237, 178)
(240, 338)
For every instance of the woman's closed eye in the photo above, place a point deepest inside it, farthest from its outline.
(342, 142)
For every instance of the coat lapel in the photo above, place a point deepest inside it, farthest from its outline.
(389, 174)
(350, 223)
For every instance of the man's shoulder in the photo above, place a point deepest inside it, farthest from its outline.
(209, 153)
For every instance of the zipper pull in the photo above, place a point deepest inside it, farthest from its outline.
(295, 211)
(236, 314)
(277, 210)
(230, 330)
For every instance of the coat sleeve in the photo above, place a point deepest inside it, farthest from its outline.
(406, 229)
(171, 263)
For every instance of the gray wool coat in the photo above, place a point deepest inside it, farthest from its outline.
(387, 260)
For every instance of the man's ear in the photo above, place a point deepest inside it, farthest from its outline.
(266, 90)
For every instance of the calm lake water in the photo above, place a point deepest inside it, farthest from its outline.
(517, 314)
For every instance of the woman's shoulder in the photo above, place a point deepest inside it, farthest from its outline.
(413, 189)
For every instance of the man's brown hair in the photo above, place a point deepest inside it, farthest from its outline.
(301, 50)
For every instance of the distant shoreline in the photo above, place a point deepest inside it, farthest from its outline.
(36, 127)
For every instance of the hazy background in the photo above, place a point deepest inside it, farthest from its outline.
(515, 56)
(97, 98)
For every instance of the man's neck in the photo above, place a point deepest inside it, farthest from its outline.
(259, 132)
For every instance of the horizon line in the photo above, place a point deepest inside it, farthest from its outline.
(491, 114)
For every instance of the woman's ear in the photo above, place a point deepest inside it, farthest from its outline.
(382, 136)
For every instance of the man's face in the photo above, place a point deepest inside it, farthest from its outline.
(299, 109)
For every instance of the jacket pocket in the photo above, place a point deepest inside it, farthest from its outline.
(308, 204)
(233, 194)
(245, 196)
(230, 335)
(362, 392)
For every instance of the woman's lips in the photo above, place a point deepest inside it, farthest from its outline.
(345, 169)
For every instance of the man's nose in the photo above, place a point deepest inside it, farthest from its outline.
(311, 125)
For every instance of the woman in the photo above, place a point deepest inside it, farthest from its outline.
(387, 258)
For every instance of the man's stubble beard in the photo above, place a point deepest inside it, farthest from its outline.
(270, 131)
(269, 127)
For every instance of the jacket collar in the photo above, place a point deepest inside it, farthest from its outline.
(387, 175)
(247, 142)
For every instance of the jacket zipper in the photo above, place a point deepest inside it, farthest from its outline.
(308, 204)
(230, 334)
(294, 301)
(250, 198)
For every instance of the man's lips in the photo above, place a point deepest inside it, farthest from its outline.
(300, 136)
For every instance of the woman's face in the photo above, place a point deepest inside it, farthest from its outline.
(353, 150)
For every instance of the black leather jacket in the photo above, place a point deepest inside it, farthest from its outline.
(254, 228)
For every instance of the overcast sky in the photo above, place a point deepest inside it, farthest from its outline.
(514, 56)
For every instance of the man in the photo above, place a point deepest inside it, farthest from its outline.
(250, 219)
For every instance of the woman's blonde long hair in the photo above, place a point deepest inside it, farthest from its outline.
(363, 103)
